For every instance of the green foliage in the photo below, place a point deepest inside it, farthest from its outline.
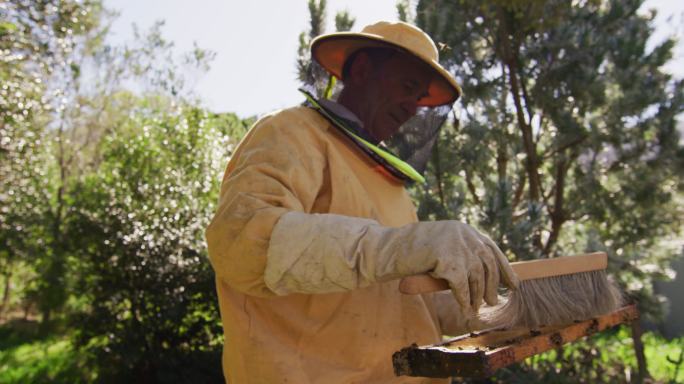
(137, 228)
(307, 72)
(566, 138)
(605, 358)
(344, 21)
(50, 360)
(37, 41)
(110, 192)
(404, 11)
(310, 73)
(27, 356)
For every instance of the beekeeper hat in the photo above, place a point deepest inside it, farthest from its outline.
(332, 50)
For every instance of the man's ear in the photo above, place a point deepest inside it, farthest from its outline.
(361, 69)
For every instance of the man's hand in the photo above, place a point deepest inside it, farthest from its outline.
(320, 253)
(470, 262)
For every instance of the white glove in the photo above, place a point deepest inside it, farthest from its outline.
(452, 319)
(321, 253)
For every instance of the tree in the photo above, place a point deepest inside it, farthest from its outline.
(109, 190)
(37, 41)
(62, 99)
(137, 214)
(566, 140)
(139, 225)
(310, 74)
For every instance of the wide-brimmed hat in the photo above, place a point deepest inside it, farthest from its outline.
(332, 50)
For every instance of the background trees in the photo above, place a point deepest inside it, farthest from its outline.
(310, 74)
(110, 170)
(138, 232)
(566, 140)
(41, 45)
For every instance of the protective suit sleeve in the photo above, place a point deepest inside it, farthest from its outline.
(278, 168)
(320, 253)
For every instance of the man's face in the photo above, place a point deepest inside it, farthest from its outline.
(391, 94)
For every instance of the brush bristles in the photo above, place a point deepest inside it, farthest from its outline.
(556, 300)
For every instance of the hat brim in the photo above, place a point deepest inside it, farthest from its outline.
(332, 50)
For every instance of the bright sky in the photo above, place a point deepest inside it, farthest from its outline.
(256, 41)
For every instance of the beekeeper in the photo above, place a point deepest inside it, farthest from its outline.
(314, 225)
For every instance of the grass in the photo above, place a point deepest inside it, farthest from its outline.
(608, 357)
(28, 355)
(663, 358)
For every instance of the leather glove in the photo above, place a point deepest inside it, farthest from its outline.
(321, 253)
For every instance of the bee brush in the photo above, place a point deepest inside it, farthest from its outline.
(552, 291)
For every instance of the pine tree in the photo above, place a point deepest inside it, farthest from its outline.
(566, 139)
(310, 74)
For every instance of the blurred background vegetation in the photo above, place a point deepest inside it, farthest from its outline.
(565, 142)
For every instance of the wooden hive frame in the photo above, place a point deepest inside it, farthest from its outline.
(480, 354)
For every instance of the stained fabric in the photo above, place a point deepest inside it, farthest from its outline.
(294, 160)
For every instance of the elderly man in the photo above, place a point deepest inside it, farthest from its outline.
(314, 226)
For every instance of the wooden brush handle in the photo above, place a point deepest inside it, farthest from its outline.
(526, 270)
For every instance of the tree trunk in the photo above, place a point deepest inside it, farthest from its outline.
(637, 332)
(47, 314)
(438, 174)
(6, 293)
(509, 58)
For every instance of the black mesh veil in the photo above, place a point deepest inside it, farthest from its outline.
(318, 82)
(414, 141)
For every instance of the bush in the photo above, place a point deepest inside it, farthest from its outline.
(137, 229)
